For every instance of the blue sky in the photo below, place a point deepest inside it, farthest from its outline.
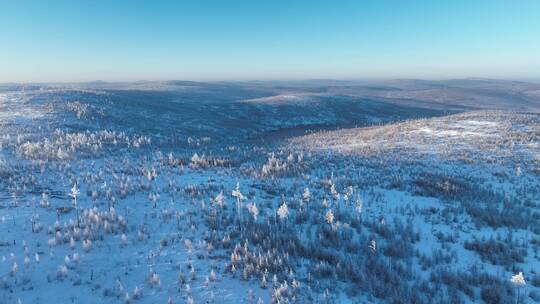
(241, 40)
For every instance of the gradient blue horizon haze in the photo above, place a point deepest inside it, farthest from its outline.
(68, 41)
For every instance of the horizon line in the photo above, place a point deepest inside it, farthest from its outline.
(292, 80)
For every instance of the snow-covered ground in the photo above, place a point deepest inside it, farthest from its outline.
(203, 195)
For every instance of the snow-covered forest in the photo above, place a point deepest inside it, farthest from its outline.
(302, 192)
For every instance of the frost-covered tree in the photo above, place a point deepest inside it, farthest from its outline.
(306, 195)
(253, 210)
(329, 217)
(519, 281)
(74, 193)
(283, 211)
(154, 279)
(14, 269)
(219, 200)
(373, 246)
(239, 198)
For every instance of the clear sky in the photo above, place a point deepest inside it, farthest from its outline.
(80, 40)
